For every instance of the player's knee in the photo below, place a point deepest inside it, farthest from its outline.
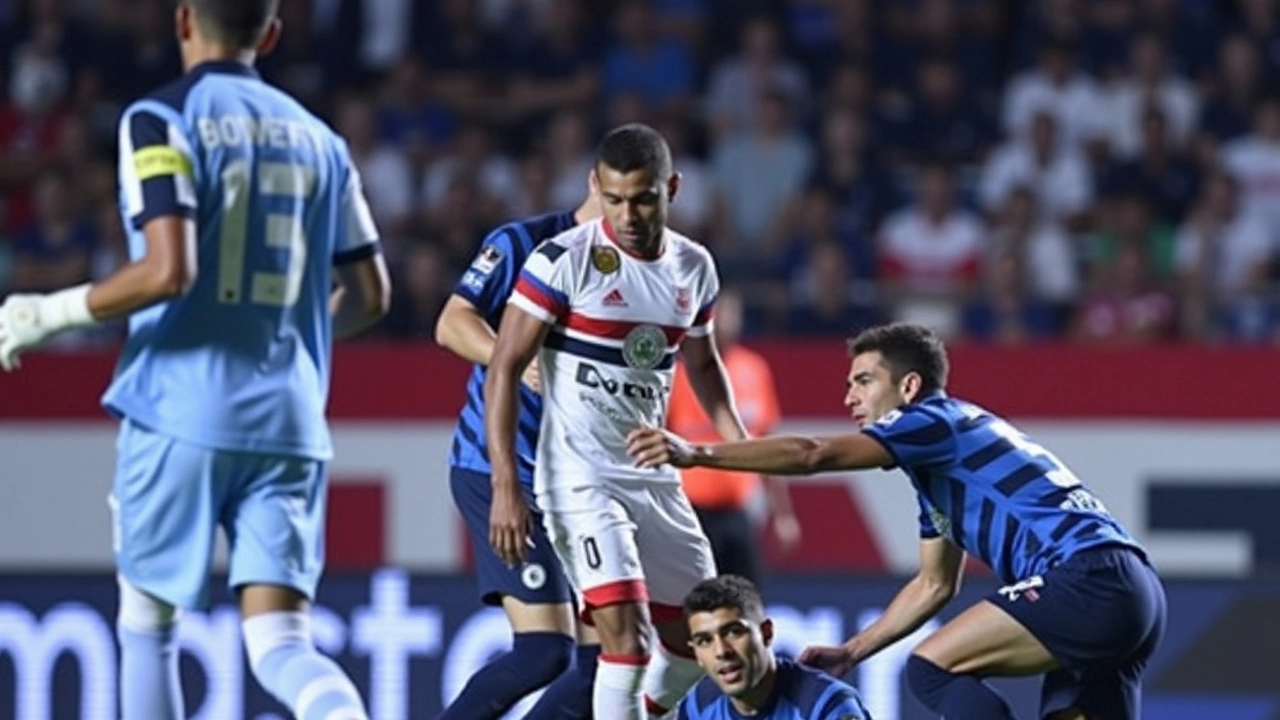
(927, 681)
(141, 611)
(624, 629)
(267, 633)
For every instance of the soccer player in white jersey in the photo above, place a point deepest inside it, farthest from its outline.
(605, 307)
(242, 211)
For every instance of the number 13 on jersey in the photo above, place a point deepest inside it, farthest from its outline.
(282, 189)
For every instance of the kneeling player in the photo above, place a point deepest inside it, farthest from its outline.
(733, 641)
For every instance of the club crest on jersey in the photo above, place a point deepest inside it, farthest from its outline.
(644, 347)
(605, 259)
(684, 299)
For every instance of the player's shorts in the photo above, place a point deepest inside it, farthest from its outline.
(628, 541)
(539, 580)
(169, 497)
(1101, 614)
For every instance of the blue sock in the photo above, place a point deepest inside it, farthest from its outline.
(569, 697)
(955, 697)
(534, 660)
(149, 684)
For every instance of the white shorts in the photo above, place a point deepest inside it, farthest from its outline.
(632, 541)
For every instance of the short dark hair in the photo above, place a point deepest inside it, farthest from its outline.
(726, 591)
(635, 146)
(239, 23)
(906, 348)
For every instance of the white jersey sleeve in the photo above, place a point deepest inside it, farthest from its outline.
(708, 292)
(545, 283)
(357, 233)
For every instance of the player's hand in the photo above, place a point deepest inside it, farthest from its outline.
(532, 377)
(655, 447)
(22, 327)
(835, 661)
(509, 524)
(786, 530)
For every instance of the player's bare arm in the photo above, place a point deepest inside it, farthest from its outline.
(363, 296)
(167, 270)
(779, 455)
(935, 584)
(463, 331)
(519, 337)
(710, 382)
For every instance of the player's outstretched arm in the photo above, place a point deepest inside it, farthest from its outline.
(363, 295)
(710, 382)
(935, 584)
(519, 337)
(168, 269)
(779, 455)
(462, 330)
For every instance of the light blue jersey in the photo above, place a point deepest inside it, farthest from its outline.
(222, 390)
(240, 362)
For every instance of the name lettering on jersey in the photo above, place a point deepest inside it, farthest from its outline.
(589, 375)
(236, 130)
(1082, 500)
(644, 347)
(605, 259)
(941, 523)
(158, 160)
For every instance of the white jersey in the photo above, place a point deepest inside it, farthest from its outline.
(608, 359)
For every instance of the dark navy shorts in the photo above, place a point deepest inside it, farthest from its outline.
(1101, 614)
(539, 580)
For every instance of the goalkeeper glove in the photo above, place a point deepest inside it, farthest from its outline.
(27, 321)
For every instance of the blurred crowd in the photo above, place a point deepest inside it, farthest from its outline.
(1106, 171)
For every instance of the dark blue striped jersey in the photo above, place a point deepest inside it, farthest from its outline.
(800, 693)
(486, 285)
(991, 490)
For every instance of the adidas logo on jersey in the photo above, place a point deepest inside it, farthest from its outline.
(614, 299)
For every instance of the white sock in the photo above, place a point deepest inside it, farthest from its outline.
(667, 679)
(617, 692)
(289, 667)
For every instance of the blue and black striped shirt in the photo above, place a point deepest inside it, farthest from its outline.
(993, 491)
(486, 285)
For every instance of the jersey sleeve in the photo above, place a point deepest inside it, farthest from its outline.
(928, 530)
(157, 169)
(710, 290)
(849, 708)
(914, 436)
(357, 232)
(544, 284)
(818, 696)
(488, 281)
